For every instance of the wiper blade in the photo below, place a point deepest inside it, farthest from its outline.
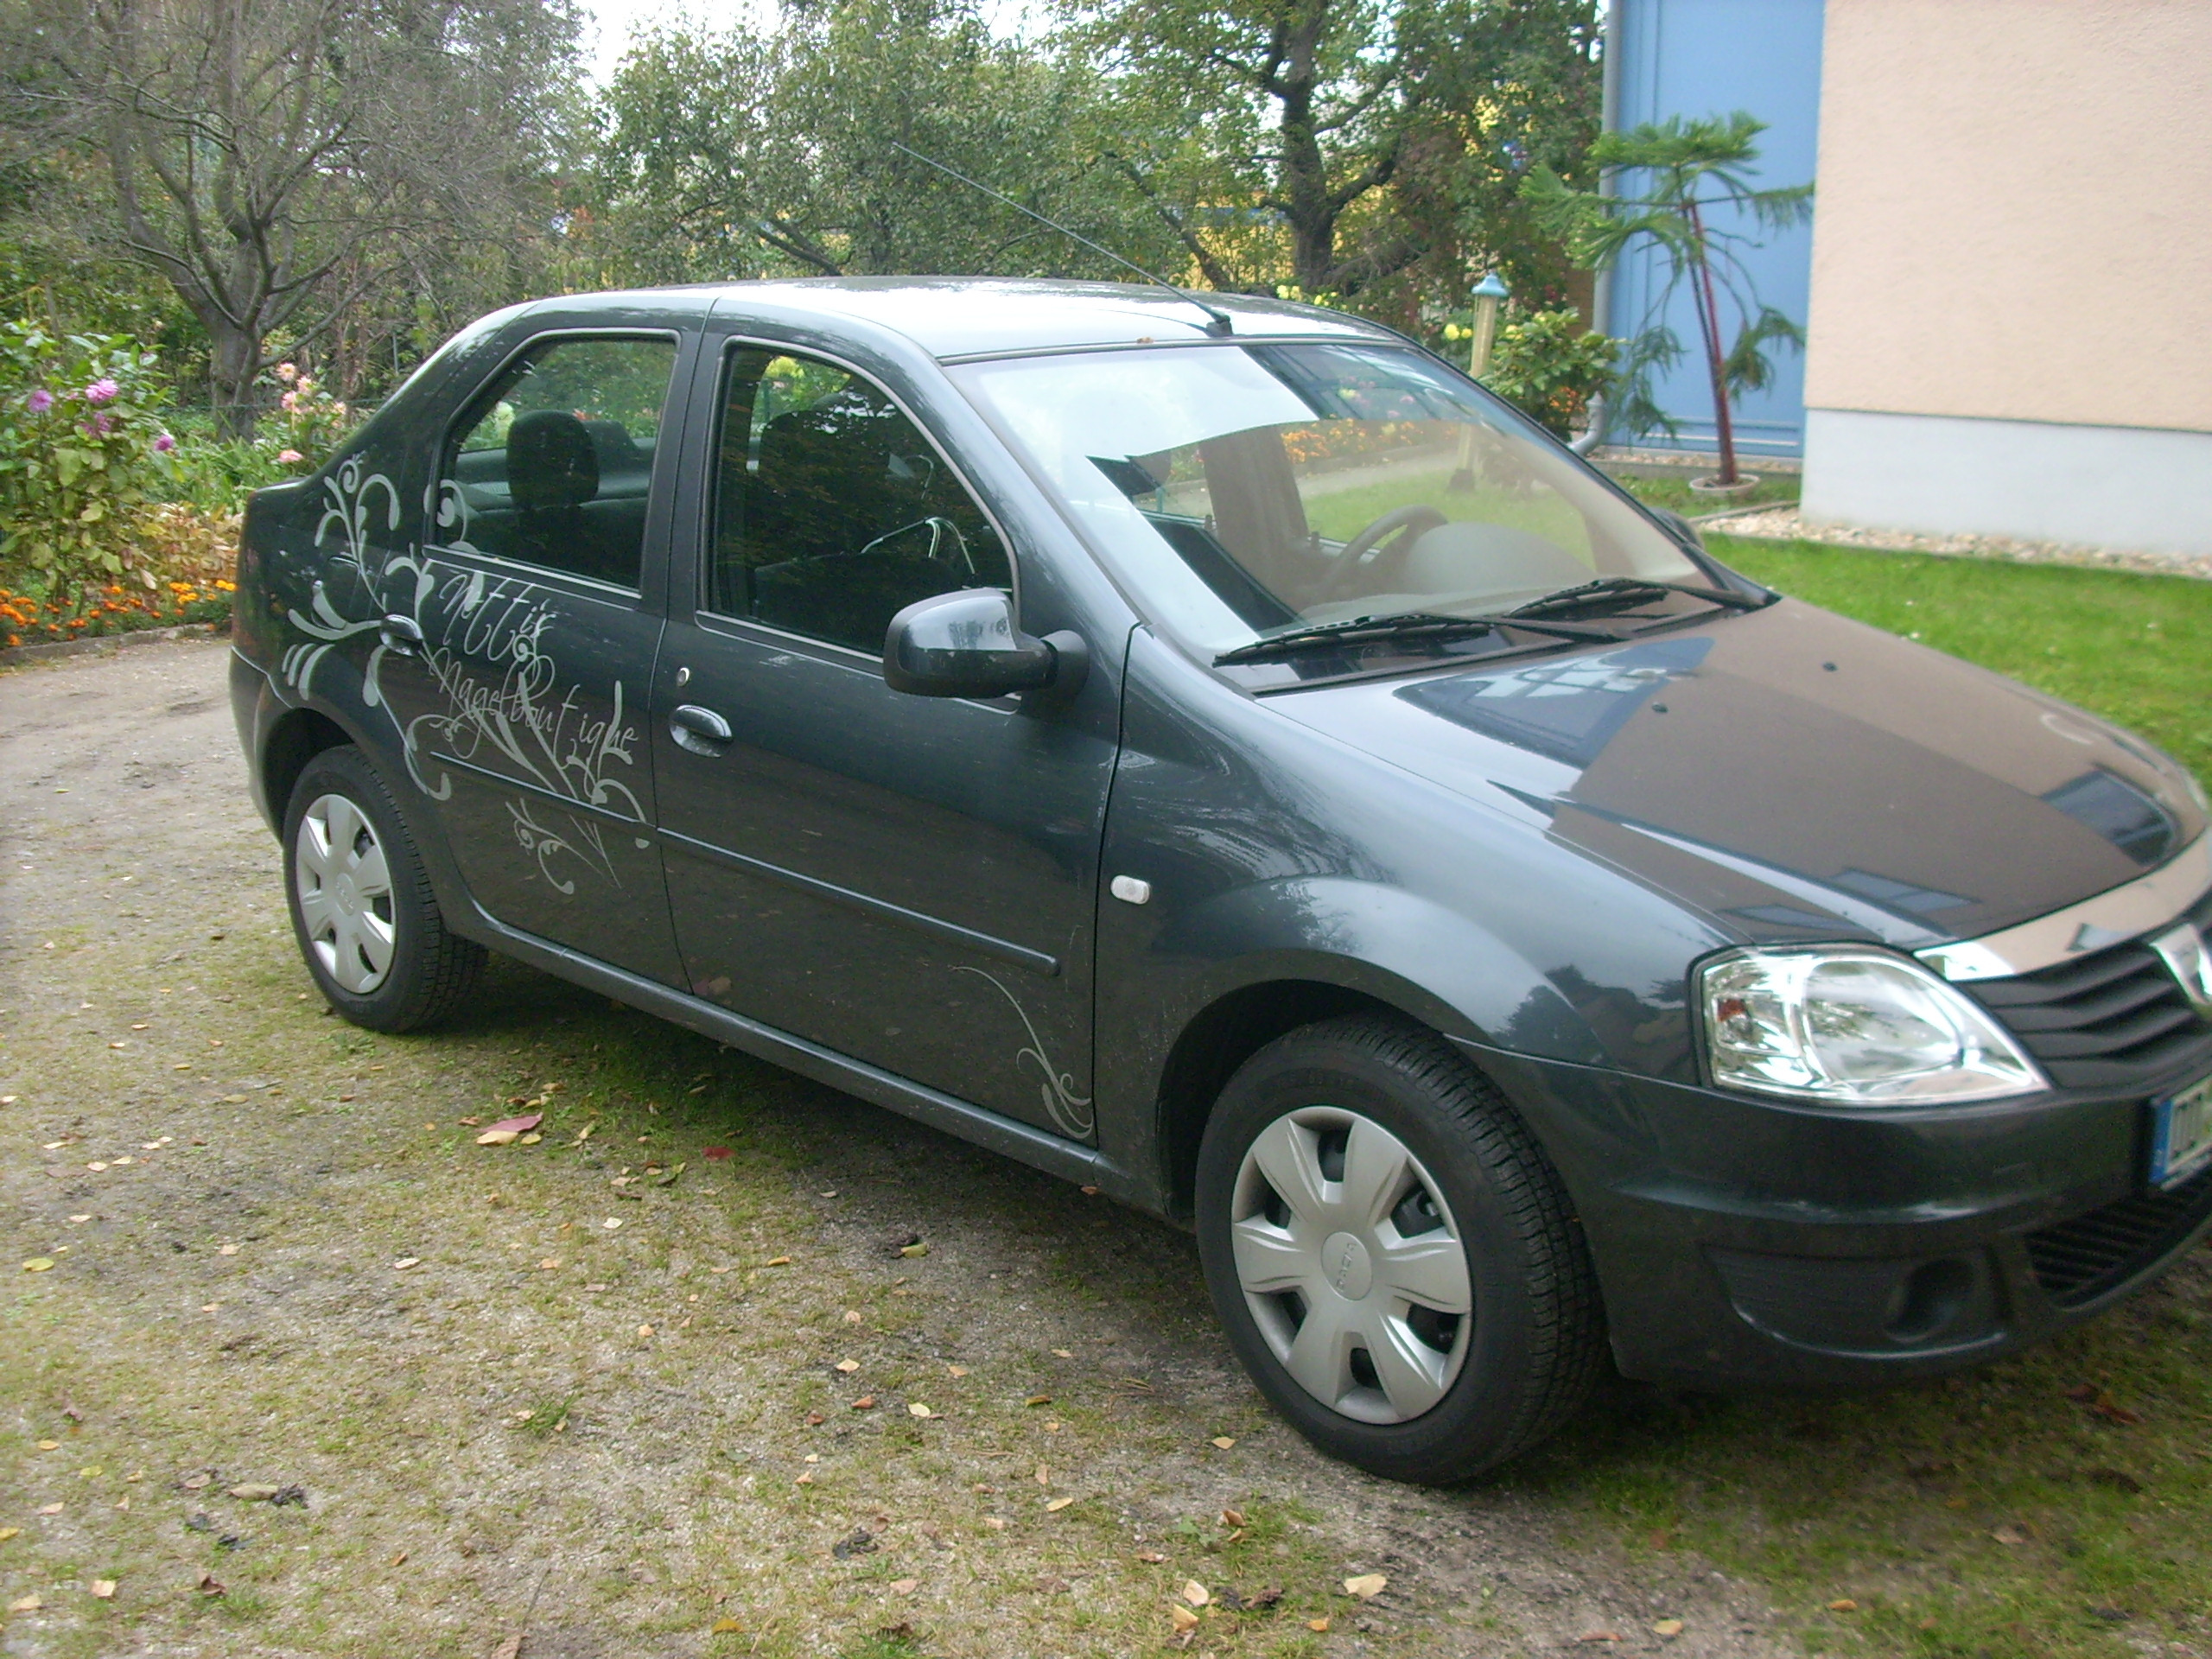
(1405, 625)
(1631, 589)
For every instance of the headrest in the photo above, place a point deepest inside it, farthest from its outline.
(551, 461)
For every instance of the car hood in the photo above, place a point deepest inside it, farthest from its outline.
(1792, 774)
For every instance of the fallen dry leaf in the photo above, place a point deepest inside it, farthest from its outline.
(612, 1222)
(866, 1402)
(2011, 1533)
(252, 1491)
(905, 1587)
(1843, 1604)
(815, 1418)
(509, 1129)
(1039, 1399)
(1151, 1557)
(1599, 1636)
(1044, 1475)
(1194, 1592)
(405, 1262)
(548, 1264)
(1668, 1627)
(645, 1330)
(915, 1249)
(49, 1508)
(209, 1585)
(726, 1627)
(6, 1533)
(1224, 1441)
(25, 1605)
(848, 1366)
(715, 1153)
(38, 1264)
(510, 1648)
(1366, 1586)
(915, 1408)
(400, 1559)
(103, 1589)
(1318, 1626)
(1183, 1618)
(1232, 1517)
(1058, 1504)
(955, 1370)
(49, 1446)
(777, 1262)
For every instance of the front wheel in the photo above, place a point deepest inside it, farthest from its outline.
(366, 921)
(1394, 1259)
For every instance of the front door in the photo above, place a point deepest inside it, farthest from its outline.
(907, 880)
(517, 650)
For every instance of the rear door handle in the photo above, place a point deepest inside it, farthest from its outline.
(700, 730)
(401, 635)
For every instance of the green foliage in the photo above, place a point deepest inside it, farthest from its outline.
(1547, 366)
(1674, 173)
(81, 452)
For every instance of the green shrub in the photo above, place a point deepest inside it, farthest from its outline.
(1548, 366)
(81, 453)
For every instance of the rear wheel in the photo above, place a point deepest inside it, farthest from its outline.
(367, 923)
(1394, 1259)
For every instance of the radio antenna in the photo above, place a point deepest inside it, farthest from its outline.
(1218, 322)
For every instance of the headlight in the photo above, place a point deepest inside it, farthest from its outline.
(1857, 1026)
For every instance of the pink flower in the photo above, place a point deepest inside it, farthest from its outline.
(100, 391)
(289, 402)
(40, 400)
(99, 427)
(163, 444)
(290, 457)
(288, 372)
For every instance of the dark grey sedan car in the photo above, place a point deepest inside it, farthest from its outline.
(1234, 761)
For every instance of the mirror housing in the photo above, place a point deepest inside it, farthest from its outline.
(966, 645)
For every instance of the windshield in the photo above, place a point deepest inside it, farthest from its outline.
(1247, 492)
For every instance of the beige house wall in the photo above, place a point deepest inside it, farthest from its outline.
(2015, 212)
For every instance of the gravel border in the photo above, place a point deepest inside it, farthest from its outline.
(1786, 524)
(107, 644)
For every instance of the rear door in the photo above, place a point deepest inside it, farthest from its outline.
(910, 881)
(518, 648)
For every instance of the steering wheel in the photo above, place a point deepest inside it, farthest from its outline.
(1350, 560)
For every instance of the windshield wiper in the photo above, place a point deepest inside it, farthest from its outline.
(1631, 589)
(1404, 625)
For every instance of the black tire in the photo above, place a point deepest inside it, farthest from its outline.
(1533, 1343)
(430, 970)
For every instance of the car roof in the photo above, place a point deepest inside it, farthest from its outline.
(953, 317)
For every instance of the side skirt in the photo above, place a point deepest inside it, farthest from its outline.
(1070, 1161)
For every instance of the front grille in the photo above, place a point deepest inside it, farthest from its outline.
(2079, 1260)
(2108, 1019)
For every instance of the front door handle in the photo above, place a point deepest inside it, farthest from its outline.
(401, 635)
(700, 730)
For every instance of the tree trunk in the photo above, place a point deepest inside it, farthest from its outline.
(233, 357)
(1709, 324)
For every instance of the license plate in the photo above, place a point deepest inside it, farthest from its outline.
(2181, 1134)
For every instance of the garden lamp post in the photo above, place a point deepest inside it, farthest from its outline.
(1489, 295)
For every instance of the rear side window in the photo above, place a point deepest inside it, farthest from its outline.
(832, 511)
(553, 463)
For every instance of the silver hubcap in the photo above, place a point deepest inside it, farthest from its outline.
(344, 890)
(1351, 1264)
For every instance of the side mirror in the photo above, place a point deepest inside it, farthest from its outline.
(965, 644)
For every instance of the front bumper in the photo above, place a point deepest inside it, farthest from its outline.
(1747, 1244)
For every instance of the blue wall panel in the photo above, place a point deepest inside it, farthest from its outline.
(1710, 57)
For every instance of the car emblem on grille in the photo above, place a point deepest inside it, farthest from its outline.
(2182, 950)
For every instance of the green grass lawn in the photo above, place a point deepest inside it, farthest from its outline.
(2055, 1505)
(1672, 489)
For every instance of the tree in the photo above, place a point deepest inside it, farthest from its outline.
(1377, 137)
(760, 152)
(1684, 169)
(276, 161)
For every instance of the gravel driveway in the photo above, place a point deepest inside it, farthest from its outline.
(727, 1363)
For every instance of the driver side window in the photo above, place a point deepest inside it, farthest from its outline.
(832, 511)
